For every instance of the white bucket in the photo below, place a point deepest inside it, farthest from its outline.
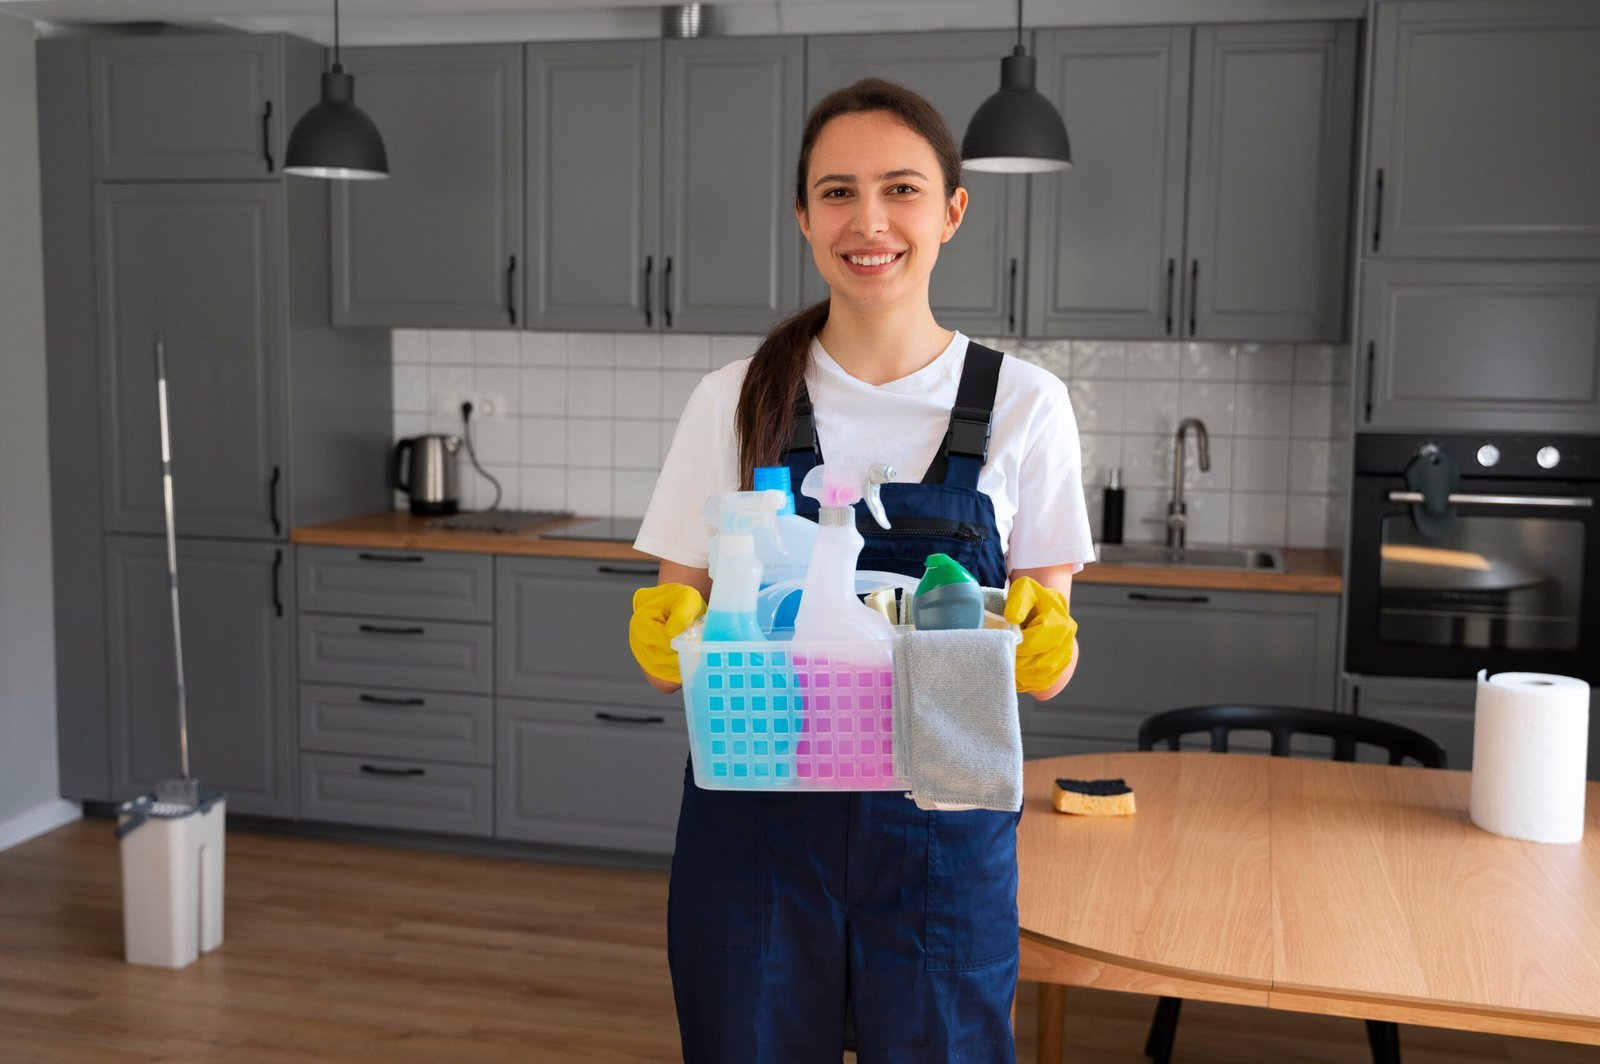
(171, 882)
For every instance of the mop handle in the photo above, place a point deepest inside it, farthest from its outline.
(172, 548)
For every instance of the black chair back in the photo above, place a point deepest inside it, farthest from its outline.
(1283, 722)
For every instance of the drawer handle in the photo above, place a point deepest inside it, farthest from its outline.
(618, 570)
(366, 557)
(379, 771)
(620, 718)
(377, 700)
(380, 629)
(1140, 596)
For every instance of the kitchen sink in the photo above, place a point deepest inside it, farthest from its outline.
(1152, 554)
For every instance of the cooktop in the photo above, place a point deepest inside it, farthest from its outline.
(622, 529)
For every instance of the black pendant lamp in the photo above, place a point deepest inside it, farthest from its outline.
(336, 139)
(1017, 131)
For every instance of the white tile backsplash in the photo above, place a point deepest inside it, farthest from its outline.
(589, 417)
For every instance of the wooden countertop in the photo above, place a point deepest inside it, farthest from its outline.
(1310, 571)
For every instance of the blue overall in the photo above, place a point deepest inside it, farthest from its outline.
(785, 905)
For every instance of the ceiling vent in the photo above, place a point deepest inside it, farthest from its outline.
(689, 20)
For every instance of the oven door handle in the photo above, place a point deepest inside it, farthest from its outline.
(1573, 502)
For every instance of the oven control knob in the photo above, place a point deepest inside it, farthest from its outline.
(1548, 457)
(1488, 455)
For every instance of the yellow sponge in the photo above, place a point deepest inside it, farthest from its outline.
(1093, 797)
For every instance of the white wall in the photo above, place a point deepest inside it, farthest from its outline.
(29, 798)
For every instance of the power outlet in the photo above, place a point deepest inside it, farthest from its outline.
(485, 405)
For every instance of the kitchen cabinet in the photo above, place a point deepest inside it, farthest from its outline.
(1213, 647)
(237, 605)
(1242, 239)
(1483, 140)
(438, 244)
(978, 286)
(636, 217)
(193, 107)
(1497, 346)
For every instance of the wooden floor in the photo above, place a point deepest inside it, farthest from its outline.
(343, 952)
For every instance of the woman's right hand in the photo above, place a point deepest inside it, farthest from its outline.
(659, 614)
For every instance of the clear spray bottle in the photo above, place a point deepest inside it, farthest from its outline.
(829, 609)
(739, 516)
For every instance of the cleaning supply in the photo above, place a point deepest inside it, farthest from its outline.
(659, 614)
(1048, 633)
(829, 610)
(1111, 510)
(798, 535)
(1093, 797)
(948, 597)
(736, 574)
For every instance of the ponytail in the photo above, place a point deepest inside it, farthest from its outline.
(764, 418)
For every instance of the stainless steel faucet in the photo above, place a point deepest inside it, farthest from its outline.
(1177, 509)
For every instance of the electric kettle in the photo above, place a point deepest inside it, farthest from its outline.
(425, 469)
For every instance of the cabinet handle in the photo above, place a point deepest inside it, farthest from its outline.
(1377, 212)
(1142, 596)
(1366, 418)
(618, 718)
(380, 629)
(666, 293)
(617, 570)
(266, 135)
(649, 269)
(378, 771)
(377, 700)
(1172, 265)
(511, 289)
(1194, 292)
(1011, 299)
(277, 573)
(272, 499)
(368, 557)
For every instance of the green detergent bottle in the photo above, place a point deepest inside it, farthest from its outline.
(948, 597)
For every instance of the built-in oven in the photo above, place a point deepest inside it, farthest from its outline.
(1474, 552)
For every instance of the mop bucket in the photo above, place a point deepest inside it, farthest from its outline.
(171, 878)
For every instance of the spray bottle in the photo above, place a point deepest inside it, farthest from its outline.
(829, 609)
(799, 536)
(736, 569)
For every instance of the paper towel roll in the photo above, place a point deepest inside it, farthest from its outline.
(1530, 742)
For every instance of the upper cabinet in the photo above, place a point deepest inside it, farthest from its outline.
(1485, 130)
(187, 107)
(977, 286)
(439, 242)
(659, 181)
(1242, 237)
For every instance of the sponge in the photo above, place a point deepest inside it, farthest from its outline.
(1093, 797)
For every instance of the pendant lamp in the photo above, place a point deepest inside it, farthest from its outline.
(336, 139)
(1016, 131)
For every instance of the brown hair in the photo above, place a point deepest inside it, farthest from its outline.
(764, 418)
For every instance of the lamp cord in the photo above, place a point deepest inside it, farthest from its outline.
(336, 28)
(1019, 21)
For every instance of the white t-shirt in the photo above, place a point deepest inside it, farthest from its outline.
(1033, 473)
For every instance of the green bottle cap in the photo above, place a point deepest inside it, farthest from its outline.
(942, 570)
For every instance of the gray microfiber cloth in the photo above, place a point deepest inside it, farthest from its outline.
(960, 736)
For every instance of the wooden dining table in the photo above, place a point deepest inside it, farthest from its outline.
(1339, 888)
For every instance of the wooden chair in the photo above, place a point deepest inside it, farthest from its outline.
(1282, 723)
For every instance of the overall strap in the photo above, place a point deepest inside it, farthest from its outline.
(804, 452)
(966, 444)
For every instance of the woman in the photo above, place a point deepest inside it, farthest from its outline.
(785, 906)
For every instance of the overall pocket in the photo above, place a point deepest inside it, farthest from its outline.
(972, 889)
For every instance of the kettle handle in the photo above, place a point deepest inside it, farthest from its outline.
(401, 450)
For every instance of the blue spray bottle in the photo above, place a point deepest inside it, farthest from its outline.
(799, 536)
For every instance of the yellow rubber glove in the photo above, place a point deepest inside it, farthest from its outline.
(1048, 631)
(659, 613)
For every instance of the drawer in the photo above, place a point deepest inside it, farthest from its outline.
(433, 655)
(438, 585)
(403, 794)
(390, 722)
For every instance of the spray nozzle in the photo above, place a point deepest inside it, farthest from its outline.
(746, 513)
(838, 487)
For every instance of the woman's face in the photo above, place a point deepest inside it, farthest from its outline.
(876, 211)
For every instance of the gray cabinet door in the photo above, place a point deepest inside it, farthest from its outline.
(378, 651)
(583, 775)
(236, 602)
(731, 123)
(1271, 120)
(1108, 234)
(977, 284)
(438, 585)
(439, 243)
(1484, 119)
(593, 185)
(1496, 346)
(201, 265)
(402, 794)
(187, 107)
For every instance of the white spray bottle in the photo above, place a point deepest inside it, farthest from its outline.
(735, 569)
(829, 609)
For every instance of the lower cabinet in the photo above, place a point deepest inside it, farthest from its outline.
(1212, 647)
(387, 793)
